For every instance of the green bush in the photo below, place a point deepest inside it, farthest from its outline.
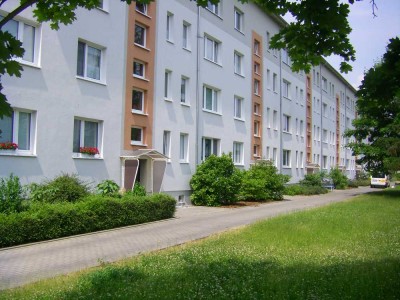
(339, 179)
(314, 179)
(298, 189)
(45, 221)
(11, 195)
(64, 188)
(139, 190)
(262, 182)
(108, 188)
(352, 184)
(216, 181)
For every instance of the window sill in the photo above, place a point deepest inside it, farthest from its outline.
(238, 30)
(218, 16)
(138, 112)
(86, 156)
(91, 80)
(239, 164)
(187, 49)
(214, 62)
(239, 119)
(240, 75)
(138, 144)
(140, 78)
(103, 10)
(184, 162)
(16, 153)
(286, 167)
(143, 14)
(29, 64)
(212, 112)
(287, 132)
(142, 47)
(287, 98)
(168, 100)
(185, 104)
(170, 42)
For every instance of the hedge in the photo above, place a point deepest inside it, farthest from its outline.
(49, 221)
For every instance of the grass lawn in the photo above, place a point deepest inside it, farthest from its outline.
(349, 250)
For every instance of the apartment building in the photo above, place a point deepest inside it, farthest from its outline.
(158, 88)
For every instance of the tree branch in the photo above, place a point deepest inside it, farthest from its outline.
(16, 11)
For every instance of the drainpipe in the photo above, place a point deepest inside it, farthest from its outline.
(345, 127)
(198, 90)
(280, 114)
(320, 111)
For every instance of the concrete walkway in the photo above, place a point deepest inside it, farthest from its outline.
(24, 264)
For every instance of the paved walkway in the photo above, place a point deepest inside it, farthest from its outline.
(24, 264)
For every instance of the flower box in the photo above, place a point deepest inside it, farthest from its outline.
(8, 146)
(92, 151)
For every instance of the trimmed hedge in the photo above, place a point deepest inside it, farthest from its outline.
(299, 189)
(45, 221)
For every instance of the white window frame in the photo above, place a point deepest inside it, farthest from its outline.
(143, 68)
(301, 160)
(286, 89)
(167, 143)
(141, 141)
(15, 132)
(256, 128)
(238, 19)
(256, 47)
(268, 40)
(167, 85)
(215, 147)
(238, 107)
(142, 111)
(85, 66)
(256, 87)
(238, 63)
(275, 120)
(36, 48)
(186, 28)
(286, 163)
(214, 8)
(144, 35)
(257, 109)
(214, 99)
(301, 128)
(286, 124)
(145, 9)
(184, 90)
(170, 27)
(215, 54)
(183, 148)
(83, 122)
(275, 156)
(325, 162)
(275, 83)
(238, 154)
(256, 150)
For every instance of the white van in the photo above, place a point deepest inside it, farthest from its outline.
(379, 180)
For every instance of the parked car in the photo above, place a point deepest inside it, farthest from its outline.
(379, 180)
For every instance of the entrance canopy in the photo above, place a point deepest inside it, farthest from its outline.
(146, 166)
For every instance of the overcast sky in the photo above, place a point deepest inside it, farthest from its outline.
(370, 35)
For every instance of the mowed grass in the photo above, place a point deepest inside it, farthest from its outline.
(349, 250)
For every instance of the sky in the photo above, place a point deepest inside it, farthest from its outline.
(370, 35)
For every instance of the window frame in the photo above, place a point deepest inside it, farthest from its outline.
(170, 27)
(286, 89)
(82, 137)
(183, 147)
(186, 35)
(238, 20)
(138, 142)
(184, 93)
(142, 111)
(84, 75)
(213, 8)
(167, 143)
(214, 100)
(238, 102)
(215, 51)
(215, 147)
(238, 63)
(143, 69)
(286, 120)
(144, 35)
(238, 156)
(167, 85)
(144, 11)
(286, 159)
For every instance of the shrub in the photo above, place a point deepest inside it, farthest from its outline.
(262, 182)
(108, 188)
(298, 189)
(64, 188)
(314, 179)
(339, 179)
(45, 221)
(139, 190)
(216, 181)
(352, 184)
(11, 195)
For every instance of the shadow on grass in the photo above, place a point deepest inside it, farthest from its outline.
(241, 279)
(388, 192)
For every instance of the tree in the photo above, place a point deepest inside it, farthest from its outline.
(377, 126)
(321, 29)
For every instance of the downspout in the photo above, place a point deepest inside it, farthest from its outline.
(345, 127)
(198, 141)
(320, 111)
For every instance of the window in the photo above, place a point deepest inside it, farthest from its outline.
(184, 88)
(183, 147)
(302, 128)
(286, 158)
(137, 136)
(209, 146)
(256, 87)
(214, 8)
(325, 162)
(212, 48)
(167, 84)
(138, 101)
(89, 61)
(238, 107)
(257, 128)
(285, 57)
(301, 160)
(237, 153)
(18, 129)
(169, 27)
(86, 134)
(324, 84)
(268, 117)
(286, 89)
(257, 109)
(268, 40)
(297, 126)
(275, 82)
(138, 69)
(256, 150)
(210, 99)
(301, 96)
(256, 47)
(297, 159)
(238, 62)
(275, 156)
(286, 124)
(238, 20)
(142, 8)
(140, 35)
(167, 143)
(257, 68)
(267, 153)
(185, 36)
(325, 109)
(268, 79)
(318, 79)
(28, 35)
(325, 136)
(275, 120)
